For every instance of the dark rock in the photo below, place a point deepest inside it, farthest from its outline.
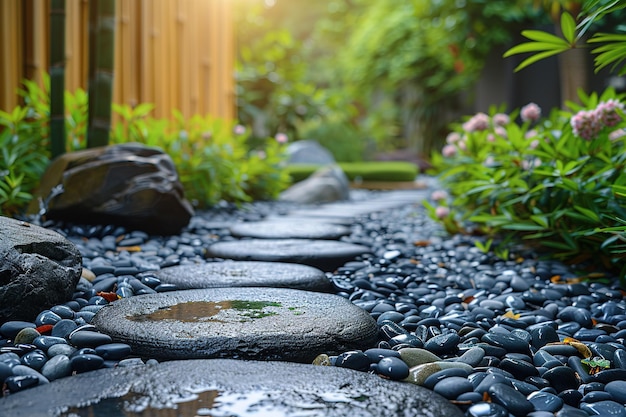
(354, 359)
(544, 401)
(452, 387)
(393, 367)
(39, 268)
(604, 408)
(252, 323)
(130, 185)
(85, 338)
(326, 185)
(86, 362)
(278, 388)
(10, 329)
(58, 366)
(562, 378)
(323, 254)
(617, 389)
(511, 399)
(245, 274)
(487, 410)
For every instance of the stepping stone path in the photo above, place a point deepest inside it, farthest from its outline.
(246, 323)
(245, 318)
(323, 254)
(245, 274)
(221, 387)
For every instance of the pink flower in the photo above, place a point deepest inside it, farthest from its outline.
(261, 154)
(442, 212)
(608, 112)
(501, 119)
(530, 112)
(586, 124)
(478, 122)
(530, 134)
(439, 195)
(239, 130)
(500, 131)
(281, 138)
(534, 144)
(491, 137)
(449, 151)
(453, 137)
(526, 164)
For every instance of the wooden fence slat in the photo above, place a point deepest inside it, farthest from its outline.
(174, 54)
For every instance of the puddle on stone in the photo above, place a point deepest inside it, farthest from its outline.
(211, 311)
(214, 403)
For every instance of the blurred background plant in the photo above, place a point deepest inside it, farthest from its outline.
(557, 183)
(364, 76)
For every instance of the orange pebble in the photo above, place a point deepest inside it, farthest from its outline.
(44, 328)
(109, 296)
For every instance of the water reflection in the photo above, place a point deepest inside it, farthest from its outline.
(204, 311)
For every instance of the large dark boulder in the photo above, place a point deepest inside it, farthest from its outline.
(39, 268)
(131, 185)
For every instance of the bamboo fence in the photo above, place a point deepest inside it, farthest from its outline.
(176, 54)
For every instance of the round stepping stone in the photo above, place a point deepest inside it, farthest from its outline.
(221, 387)
(326, 255)
(284, 229)
(243, 323)
(245, 274)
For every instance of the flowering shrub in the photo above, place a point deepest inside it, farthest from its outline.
(557, 183)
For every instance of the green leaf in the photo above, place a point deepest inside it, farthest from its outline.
(541, 220)
(541, 36)
(568, 27)
(523, 227)
(530, 47)
(589, 213)
(539, 57)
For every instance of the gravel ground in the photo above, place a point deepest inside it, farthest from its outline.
(521, 336)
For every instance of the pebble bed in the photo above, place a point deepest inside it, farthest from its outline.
(521, 337)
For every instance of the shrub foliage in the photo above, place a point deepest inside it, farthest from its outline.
(558, 183)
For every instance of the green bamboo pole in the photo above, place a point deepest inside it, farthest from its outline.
(57, 77)
(101, 43)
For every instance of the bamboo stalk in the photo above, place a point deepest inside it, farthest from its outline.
(101, 45)
(57, 77)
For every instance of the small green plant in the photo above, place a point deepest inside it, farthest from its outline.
(212, 156)
(556, 183)
(214, 159)
(22, 162)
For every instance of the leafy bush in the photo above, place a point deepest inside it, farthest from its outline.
(557, 183)
(212, 156)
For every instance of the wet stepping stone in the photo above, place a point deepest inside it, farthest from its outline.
(222, 387)
(245, 274)
(285, 229)
(243, 323)
(326, 255)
